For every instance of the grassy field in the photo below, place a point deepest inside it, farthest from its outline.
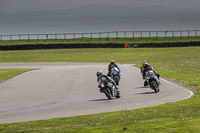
(129, 40)
(6, 74)
(179, 64)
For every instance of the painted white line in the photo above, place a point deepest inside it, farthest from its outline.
(191, 93)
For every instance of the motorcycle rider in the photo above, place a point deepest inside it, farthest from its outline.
(100, 76)
(110, 66)
(145, 67)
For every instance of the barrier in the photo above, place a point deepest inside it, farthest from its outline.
(107, 35)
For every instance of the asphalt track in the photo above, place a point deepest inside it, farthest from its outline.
(70, 89)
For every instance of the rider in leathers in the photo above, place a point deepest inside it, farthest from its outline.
(100, 76)
(145, 67)
(110, 66)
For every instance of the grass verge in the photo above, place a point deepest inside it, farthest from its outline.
(6, 74)
(179, 64)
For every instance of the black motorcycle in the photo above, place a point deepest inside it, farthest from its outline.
(108, 89)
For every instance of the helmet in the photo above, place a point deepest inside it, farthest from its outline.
(99, 73)
(112, 62)
(145, 65)
(144, 62)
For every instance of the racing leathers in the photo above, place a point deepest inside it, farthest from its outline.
(145, 69)
(100, 78)
(110, 66)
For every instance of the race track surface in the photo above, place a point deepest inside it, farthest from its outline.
(70, 89)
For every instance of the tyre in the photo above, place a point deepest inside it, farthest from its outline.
(118, 95)
(107, 93)
(154, 86)
(116, 79)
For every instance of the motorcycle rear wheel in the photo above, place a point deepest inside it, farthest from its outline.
(118, 95)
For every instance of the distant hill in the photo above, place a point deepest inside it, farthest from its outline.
(105, 12)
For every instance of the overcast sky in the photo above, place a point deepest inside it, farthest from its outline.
(10, 6)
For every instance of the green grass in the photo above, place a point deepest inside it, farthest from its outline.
(6, 74)
(180, 64)
(129, 40)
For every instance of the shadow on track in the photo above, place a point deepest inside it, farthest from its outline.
(101, 100)
(140, 87)
(145, 93)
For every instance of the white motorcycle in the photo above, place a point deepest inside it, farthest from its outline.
(152, 80)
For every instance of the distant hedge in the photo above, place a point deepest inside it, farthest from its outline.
(60, 46)
(95, 45)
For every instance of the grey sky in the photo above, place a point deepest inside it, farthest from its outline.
(10, 6)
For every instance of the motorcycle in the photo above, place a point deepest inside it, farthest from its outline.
(152, 80)
(115, 75)
(108, 89)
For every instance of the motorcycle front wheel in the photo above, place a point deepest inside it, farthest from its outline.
(154, 86)
(107, 93)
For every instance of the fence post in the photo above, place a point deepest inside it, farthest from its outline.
(195, 33)
(188, 33)
(46, 36)
(180, 33)
(133, 34)
(116, 34)
(74, 36)
(65, 36)
(125, 34)
(82, 35)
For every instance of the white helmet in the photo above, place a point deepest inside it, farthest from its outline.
(144, 62)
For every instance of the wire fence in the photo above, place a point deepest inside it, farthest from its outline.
(113, 34)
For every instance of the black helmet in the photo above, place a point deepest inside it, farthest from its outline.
(99, 73)
(112, 62)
